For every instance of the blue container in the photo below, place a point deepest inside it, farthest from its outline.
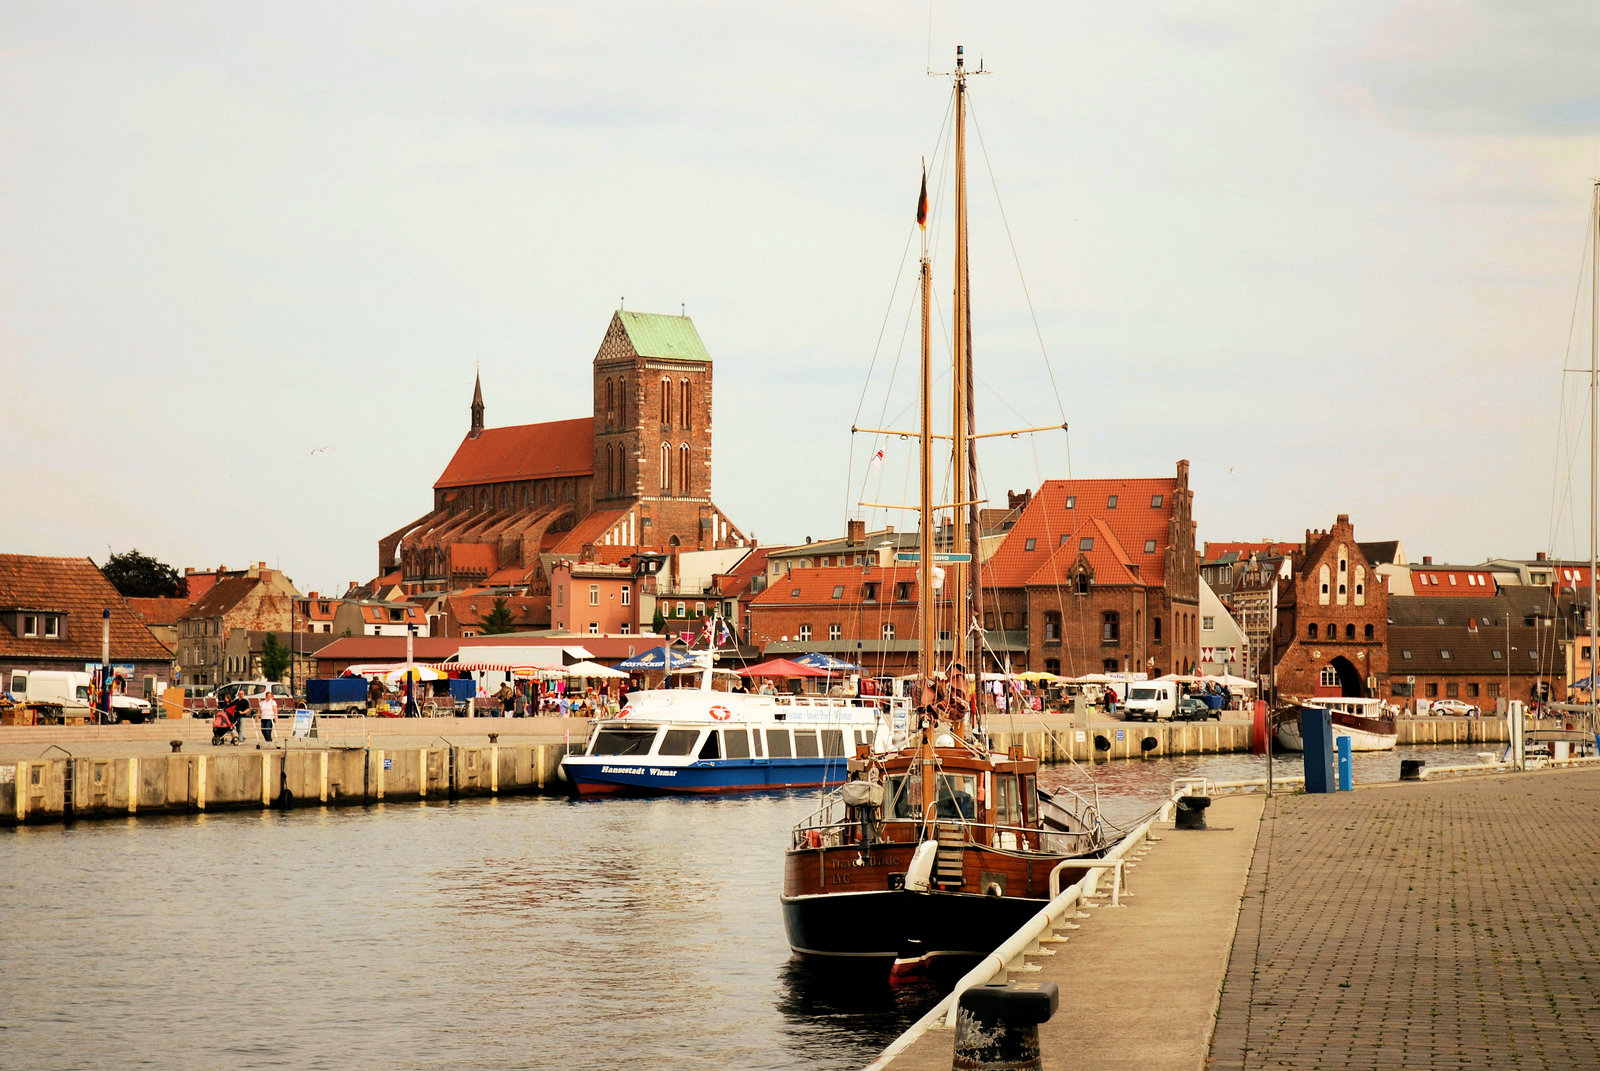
(1346, 772)
(336, 691)
(1316, 736)
(463, 689)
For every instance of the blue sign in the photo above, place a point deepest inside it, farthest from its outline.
(1119, 733)
(388, 764)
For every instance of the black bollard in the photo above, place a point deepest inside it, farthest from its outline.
(1411, 769)
(997, 1026)
(1192, 812)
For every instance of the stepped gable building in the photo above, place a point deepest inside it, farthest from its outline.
(1103, 575)
(635, 474)
(1333, 620)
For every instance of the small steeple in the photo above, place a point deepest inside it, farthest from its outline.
(477, 407)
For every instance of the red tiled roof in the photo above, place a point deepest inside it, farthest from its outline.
(469, 610)
(223, 596)
(1120, 534)
(77, 588)
(1575, 577)
(1214, 551)
(523, 452)
(474, 557)
(1432, 580)
(803, 587)
(588, 530)
(196, 585)
(510, 575)
(158, 612)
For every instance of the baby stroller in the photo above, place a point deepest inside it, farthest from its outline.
(222, 725)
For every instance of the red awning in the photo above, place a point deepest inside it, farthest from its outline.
(782, 667)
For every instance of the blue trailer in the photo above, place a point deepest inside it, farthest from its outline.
(337, 695)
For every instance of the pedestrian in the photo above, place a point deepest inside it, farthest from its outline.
(374, 693)
(269, 714)
(507, 699)
(239, 707)
(1111, 700)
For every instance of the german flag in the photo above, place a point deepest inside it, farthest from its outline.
(922, 202)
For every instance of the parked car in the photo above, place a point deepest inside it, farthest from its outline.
(1455, 708)
(72, 692)
(1192, 708)
(253, 690)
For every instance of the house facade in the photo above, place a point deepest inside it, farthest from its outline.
(1333, 620)
(258, 601)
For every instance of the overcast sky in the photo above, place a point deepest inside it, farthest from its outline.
(250, 254)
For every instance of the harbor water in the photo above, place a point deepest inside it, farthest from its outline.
(529, 932)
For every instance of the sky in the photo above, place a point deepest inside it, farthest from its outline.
(252, 255)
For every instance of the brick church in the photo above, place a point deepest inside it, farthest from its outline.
(634, 476)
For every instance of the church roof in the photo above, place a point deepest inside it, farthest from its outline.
(654, 335)
(523, 452)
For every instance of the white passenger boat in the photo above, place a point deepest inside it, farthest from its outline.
(1369, 724)
(704, 740)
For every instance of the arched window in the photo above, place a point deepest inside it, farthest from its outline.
(611, 460)
(683, 468)
(683, 403)
(1330, 677)
(666, 467)
(1311, 631)
(1083, 584)
(1322, 581)
(1361, 585)
(1349, 632)
(1333, 631)
(1155, 630)
(1368, 632)
(1344, 570)
(1110, 627)
(611, 403)
(666, 403)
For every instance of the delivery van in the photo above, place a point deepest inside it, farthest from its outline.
(1151, 701)
(71, 691)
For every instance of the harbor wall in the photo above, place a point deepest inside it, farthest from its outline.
(54, 789)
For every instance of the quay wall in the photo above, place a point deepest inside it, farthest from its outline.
(53, 789)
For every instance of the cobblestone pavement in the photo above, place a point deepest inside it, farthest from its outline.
(1451, 924)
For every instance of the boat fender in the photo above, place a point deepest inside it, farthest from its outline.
(721, 713)
(993, 889)
(920, 869)
(813, 838)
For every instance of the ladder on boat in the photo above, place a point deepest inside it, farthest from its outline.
(948, 864)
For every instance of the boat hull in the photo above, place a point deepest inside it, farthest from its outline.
(1365, 734)
(598, 776)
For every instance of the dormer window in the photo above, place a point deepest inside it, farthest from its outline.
(30, 625)
(869, 592)
(52, 628)
(902, 591)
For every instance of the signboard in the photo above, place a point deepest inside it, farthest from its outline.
(914, 556)
(1120, 732)
(1082, 736)
(302, 725)
(388, 764)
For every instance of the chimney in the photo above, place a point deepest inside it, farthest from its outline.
(1539, 556)
(1427, 559)
(855, 533)
(885, 551)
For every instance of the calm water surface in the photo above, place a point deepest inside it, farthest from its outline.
(514, 933)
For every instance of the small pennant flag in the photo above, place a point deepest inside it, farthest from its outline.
(922, 203)
(877, 459)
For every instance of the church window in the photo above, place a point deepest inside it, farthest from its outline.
(683, 404)
(666, 403)
(683, 469)
(666, 467)
(611, 463)
(1155, 630)
(611, 402)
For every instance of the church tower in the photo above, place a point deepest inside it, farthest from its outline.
(477, 407)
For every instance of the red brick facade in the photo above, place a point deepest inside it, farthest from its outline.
(1333, 620)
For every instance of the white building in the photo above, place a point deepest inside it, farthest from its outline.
(1222, 641)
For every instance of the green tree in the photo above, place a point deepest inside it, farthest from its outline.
(658, 621)
(140, 576)
(499, 619)
(274, 658)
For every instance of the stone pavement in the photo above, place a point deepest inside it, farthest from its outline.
(1139, 983)
(1451, 924)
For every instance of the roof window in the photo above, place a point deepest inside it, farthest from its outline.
(1149, 546)
(1111, 502)
(1086, 543)
(1497, 654)
(795, 594)
(1405, 653)
(1444, 655)
(838, 591)
(1072, 501)
(1028, 545)
(1155, 501)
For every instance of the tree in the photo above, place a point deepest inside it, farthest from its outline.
(658, 621)
(499, 619)
(274, 658)
(140, 576)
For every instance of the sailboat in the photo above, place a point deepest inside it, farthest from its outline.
(934, 853)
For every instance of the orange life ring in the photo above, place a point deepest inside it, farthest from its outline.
(721, 713)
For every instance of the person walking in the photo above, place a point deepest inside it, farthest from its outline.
(268, 714)
(506, 698)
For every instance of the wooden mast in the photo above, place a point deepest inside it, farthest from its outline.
(928, 628)
(961, 394)
(1594, 449)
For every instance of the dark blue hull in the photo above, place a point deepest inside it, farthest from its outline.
(593, 776)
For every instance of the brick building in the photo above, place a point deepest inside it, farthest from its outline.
(51, 614)
(1103, 576)
(1333, 620)
(867, 614)
(1480, 648)
(636, 473)
(257, 601)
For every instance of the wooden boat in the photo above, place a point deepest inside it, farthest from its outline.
(1367, 722)
(936, 852)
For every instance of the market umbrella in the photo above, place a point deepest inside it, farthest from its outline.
(592, 669)
(414, 672)
(1228, 680)
(782, 667)
(657, 658)
(821, 660)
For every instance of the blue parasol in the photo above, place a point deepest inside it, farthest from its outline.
(820, 660)
(657, 658)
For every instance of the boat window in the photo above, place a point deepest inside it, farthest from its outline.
(736, 743)
(755, 738)
(778, 744)
(678, 741)
(709, 749)
(955, 795)
(1007, 808)
(833, 743)
(623, 742)
(863, 737)
(805, 744)
(1030, 801)
(905, 796)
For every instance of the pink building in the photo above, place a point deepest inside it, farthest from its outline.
(588, 598)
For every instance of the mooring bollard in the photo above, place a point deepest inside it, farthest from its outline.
(1411, 769)
(1192, 812)
(177, 745)
(997, 1026)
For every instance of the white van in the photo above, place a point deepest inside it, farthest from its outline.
(1151, 700)
(71, 691)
